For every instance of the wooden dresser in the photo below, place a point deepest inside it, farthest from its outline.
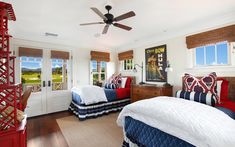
(140, 92)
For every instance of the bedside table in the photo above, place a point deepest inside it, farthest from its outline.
(145, 91)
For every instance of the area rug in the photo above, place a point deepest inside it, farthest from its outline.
(99, 132)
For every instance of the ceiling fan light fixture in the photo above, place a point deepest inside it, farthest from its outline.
(109, 19)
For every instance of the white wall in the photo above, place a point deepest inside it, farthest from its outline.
(80, 61)
(181, 60)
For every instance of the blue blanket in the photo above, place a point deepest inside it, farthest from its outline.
(146, 136)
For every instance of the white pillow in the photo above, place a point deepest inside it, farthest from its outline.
(123, 84)
(219, 84)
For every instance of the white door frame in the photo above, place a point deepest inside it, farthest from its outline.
(48, 101)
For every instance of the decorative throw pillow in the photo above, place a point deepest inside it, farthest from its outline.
(110, 86)
(123, 83)
(205, 98)
(189, 82)
(110, 80)
(206, 84)
(117, 80)
(128, 82)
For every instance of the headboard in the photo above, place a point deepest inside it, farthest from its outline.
(231, 87)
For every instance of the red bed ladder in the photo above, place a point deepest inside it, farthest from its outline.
(10, 93)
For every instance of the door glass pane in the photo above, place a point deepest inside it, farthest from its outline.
(59, 74)
(103, 76)
(210, 55)
(31, 71)
(95, 78)
(103, 66)
(94, 66)
(222, 53)
(200, 56)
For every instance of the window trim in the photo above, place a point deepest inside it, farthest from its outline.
(96, 72)
(216, 58)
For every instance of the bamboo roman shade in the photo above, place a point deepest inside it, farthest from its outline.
(59, 55)
(30, 52)
(100, 56)
(125, 55)
(211, 37)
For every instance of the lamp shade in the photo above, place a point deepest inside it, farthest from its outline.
(168, 69)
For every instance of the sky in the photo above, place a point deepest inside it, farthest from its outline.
(208, 54)
(35, 63)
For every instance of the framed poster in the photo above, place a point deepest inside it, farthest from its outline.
(156, 62)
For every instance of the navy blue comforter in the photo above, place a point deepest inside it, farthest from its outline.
(146, 136)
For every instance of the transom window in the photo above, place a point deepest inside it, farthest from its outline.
(216, 54)
(127, 64)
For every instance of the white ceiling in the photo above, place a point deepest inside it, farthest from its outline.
(153, 18)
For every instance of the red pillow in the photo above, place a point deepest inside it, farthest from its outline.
(128, 82)
(205, 84)
(224, 90)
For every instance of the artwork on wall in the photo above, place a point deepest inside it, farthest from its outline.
(156, 62)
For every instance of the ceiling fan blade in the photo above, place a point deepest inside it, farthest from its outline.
(122, 26)
(125, 16)
(105, 30)
(97, 11)
(92, 23)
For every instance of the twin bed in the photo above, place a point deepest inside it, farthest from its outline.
(116, 100)
(177, 122)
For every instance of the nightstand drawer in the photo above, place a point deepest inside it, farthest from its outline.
(137, 90)
(140, 92)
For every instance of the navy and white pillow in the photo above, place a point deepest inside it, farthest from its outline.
(205, 98)
(110, 86)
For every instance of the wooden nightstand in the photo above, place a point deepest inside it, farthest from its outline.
(140, 92)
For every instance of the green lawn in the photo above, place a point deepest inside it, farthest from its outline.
(34, 78)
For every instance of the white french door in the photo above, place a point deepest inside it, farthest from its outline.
(51, 82)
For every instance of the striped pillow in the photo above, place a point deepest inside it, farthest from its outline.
(205, 98)
(110, 86)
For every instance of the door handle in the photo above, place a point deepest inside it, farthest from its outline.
(44, 84)
(49, 83)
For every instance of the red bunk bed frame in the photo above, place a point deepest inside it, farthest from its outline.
(12, 132)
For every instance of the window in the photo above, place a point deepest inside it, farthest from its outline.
(216, 54)
(31, 68)
(98, 72)
(59, 74)
(127, 64)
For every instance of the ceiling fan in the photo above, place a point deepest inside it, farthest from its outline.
(109, 19)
